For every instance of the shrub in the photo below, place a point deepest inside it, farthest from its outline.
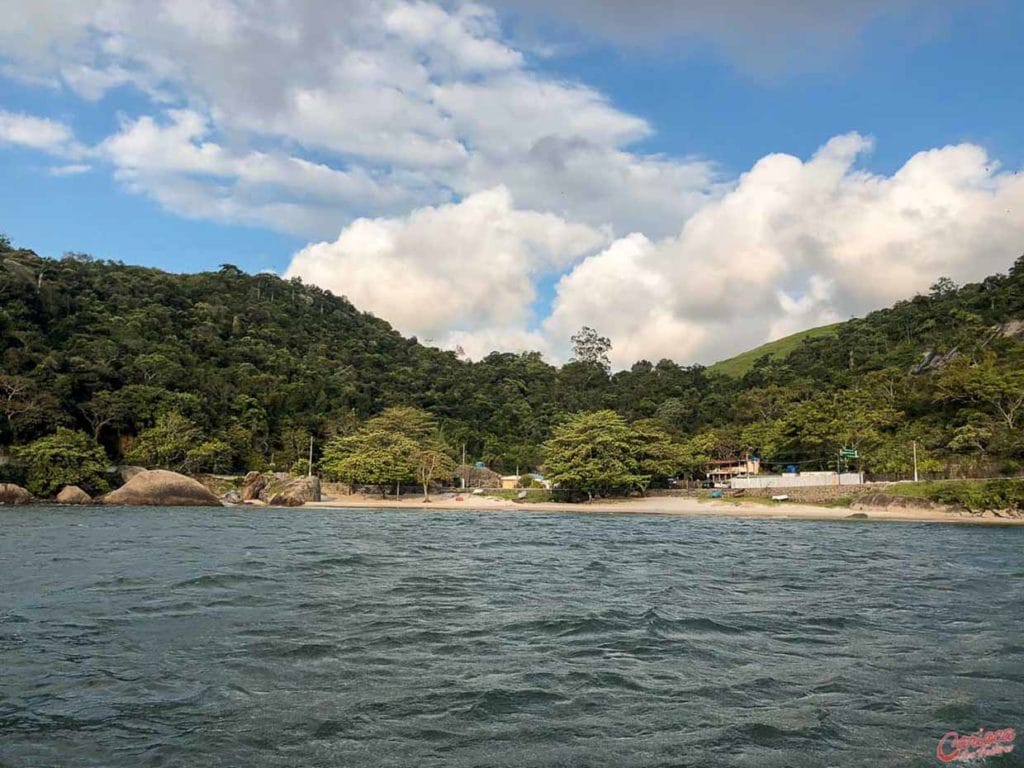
(981, 495)
(64, 458)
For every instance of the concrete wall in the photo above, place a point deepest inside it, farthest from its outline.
(812, 494)
(803, 480)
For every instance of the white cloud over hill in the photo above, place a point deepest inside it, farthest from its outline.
(460, 175)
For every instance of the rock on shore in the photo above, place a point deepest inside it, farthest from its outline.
(279, 490)
(72, 494)
(296, 493)
(253, 485)
(14, 494)
(158, 487)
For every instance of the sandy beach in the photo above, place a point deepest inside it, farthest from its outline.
(671, 505)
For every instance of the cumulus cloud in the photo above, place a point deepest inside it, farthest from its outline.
(459, 175)
(451, 273)
(796, 244)
(36, 133)
(174, 161)
(399, 104)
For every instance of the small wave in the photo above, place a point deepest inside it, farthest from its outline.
(120, 583)
(606, 681)
(305, 651)
(184, 606)
(697, 624)
(767, 735)
(572, 626)
(335, 561)
(502, 701)
(221, 580)
(834, 622)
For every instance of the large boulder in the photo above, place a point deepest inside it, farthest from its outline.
(128, 472)
(14, 494)
(72, 494)
(253, 485)
(297, 492)
(158, 487)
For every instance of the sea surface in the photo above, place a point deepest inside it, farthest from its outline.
(195, 637)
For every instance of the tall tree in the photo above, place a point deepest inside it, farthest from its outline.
(593, 453)
(588, 346)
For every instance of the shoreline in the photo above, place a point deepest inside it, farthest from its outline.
(673, 507)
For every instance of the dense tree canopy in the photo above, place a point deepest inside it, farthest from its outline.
(64, 458)
(225, 371)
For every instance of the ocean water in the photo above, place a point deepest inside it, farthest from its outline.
(193, 637)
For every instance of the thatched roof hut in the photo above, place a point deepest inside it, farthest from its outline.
(477, 477)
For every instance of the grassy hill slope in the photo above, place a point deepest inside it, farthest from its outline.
(779, 349)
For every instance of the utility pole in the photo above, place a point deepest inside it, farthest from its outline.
(915, 461)
(465, 469)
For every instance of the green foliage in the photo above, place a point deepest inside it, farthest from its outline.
(370, 456)
(64, 458)
(214, 456)
(168, 445)
(256, 366)
(737, 366)
(599, 451)
(402, 444)
(654, 452)
(974, 495)
(432, 463)
(537, 496)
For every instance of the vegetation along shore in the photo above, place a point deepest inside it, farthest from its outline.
(264, 375)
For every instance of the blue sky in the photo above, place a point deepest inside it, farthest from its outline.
(538, 169)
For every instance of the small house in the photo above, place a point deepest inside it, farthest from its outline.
(510, 482)
(722, 472)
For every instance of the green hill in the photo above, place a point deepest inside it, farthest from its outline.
(240, 371)
(778, 349)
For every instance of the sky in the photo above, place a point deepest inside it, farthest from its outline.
(689, 178)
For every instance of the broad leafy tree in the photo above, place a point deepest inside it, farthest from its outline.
(64, 458)
(593, 453)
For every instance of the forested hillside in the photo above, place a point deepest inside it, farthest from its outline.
(225, 371)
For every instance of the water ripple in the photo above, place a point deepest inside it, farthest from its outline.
(375, 638)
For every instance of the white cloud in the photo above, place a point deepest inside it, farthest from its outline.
(462, 41)
(797, 244)
(447, 273)
(35, 132)
(372, 117)
(70, 169)
(409, 103)
(176, 163)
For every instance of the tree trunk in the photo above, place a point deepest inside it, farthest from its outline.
(426, 492)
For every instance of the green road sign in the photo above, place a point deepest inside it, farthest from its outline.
(848, 453)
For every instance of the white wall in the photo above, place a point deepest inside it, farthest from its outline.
(804, 480)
